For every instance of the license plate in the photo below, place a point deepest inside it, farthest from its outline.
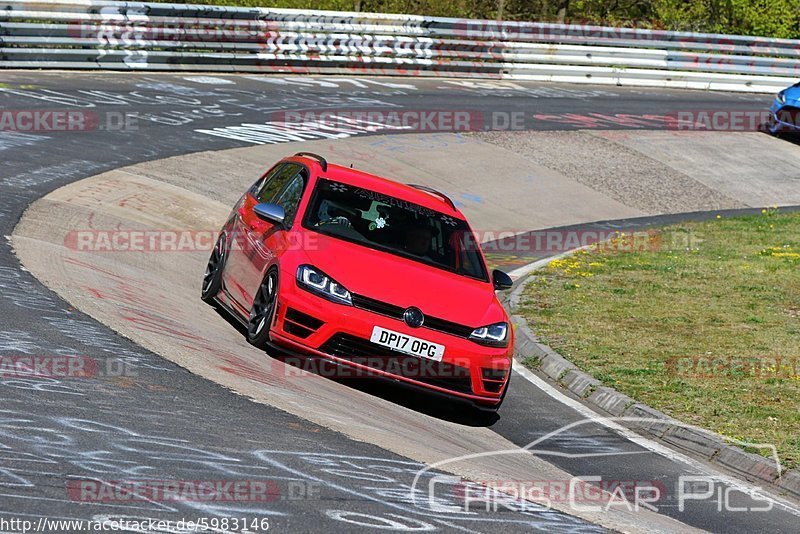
(407, 344)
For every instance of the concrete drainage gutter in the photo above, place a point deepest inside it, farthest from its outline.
(639, 417)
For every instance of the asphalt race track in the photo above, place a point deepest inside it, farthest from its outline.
(162, 422)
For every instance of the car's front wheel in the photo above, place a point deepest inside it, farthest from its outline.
(212, 279)
(772, 126)
(263, 310)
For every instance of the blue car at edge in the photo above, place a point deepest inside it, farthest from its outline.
(785, 111)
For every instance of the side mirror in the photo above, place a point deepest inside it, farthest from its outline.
(501, 280)
(270, 212)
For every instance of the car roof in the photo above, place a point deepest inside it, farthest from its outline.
(386, 186)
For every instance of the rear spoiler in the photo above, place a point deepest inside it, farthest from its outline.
(322, 162)
(435, 192)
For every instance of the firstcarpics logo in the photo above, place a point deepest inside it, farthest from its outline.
(587, 493)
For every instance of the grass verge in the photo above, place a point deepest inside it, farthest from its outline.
(702, 323)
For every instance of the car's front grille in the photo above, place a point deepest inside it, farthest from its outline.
(377, 306)
(448, 327)
(365, 352)
(396, 312)
(789, 115)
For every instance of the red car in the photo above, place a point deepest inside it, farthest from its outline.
(377, 276)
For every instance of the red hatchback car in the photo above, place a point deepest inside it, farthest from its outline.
(377, 276)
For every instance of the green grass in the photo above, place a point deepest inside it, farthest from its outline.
(664, 325)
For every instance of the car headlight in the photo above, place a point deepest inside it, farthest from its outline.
(781, 97)
(495, 335)
(315, 281)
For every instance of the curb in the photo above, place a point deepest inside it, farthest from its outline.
(692, 440)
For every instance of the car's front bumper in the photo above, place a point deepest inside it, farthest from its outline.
(785, 117)
(308, 324)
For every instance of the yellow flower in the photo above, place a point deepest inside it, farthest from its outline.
(719, 216)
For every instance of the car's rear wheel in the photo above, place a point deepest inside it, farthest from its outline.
(212, 279)
(260, 320)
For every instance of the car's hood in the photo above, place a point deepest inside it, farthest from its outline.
(792, 93)
(403, 282)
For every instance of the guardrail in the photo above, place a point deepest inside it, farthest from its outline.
(98, 34)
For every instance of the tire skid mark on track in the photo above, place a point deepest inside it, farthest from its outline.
(116, 452)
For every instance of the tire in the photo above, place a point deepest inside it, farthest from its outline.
(774, 129)
(263, 310)
(772, 126)
(212, 278)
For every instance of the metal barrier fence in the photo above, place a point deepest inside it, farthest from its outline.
(99, 34)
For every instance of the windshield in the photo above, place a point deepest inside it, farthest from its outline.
(396, 226)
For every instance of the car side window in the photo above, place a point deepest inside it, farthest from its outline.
(270, 174)
(275, 181)
(289, 198)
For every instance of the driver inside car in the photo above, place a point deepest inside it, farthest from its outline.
(418, 241)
